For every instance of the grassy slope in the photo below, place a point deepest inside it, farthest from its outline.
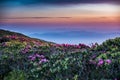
(9, 33)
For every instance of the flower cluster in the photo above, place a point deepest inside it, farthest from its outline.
(12, 37)
(37, 43)
(26, 49)
(70, 45)
(22, 39)
(39, 58)
(108, 61)
(4, 44)
(101, 62)
(83, 46)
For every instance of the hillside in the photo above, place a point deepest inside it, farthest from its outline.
(25, 58)
(5, 34)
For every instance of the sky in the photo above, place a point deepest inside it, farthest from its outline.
(49, 18)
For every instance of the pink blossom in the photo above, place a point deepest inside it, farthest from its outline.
(37, 55)
(30, 56)
(108, 61)
(13, 37)
(4, 44)
(33, 58)
(78, 46)
(28, 46)
(26, 50)
(100, 62)
(42, 60)
(42, 56)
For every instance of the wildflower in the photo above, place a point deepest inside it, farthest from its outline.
(26, 50)
(33, 58)
(82, 45)
(37, 43)
(108, 61)
(58, 45)
(43, 60)
(13, 37)
(37, 58)
(42, 56)
(37, 55)
(22, 39)
(28, 46)
(4, 44)
(30, 56)
(78, 47)
(100, 62)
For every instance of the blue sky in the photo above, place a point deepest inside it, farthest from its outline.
(83, 21)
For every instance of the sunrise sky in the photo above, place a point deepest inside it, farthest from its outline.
(54, 17)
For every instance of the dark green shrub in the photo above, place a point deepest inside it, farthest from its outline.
(16, 75)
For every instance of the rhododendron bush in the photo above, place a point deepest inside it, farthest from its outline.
(24, 58)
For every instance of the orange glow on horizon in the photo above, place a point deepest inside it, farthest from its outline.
(72, 20)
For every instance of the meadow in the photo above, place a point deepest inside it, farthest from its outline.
(25, 58)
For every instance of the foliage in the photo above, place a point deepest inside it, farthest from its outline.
(24, 58)
(16, 75)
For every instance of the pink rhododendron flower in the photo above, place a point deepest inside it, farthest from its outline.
(42, 56)
(108, 61)
(4, 44)
(43, 60)
(100, 62)
(37, 55)
(33, 58)
(28, 46)
(30, 56)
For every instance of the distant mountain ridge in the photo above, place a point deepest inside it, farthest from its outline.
(73, 34)
(64, 37)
